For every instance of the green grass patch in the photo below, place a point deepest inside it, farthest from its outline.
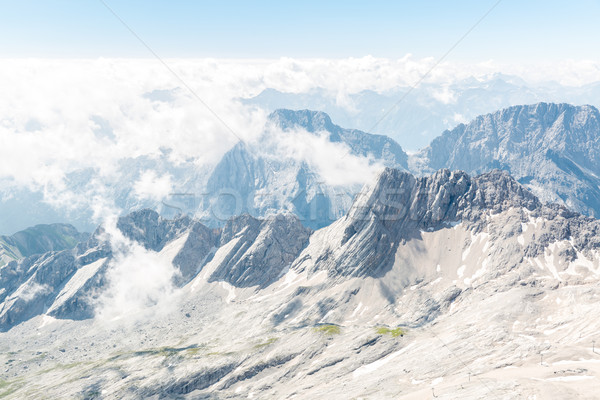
(218, 353)
(9, 387)
(329, 330)
(165, 351)
(396, 332)
(62, 367)
(193, 351)
(41, 356)
(269, 342)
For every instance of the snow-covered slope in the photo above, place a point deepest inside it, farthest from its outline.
(446, 285)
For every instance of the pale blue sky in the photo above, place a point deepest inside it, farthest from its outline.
(517, 30)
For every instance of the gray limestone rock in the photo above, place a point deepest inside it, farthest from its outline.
(552, 149)
(263, 249)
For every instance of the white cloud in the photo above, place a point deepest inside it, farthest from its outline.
(444, 95)
(139, 284)
(67, 97)
(60, 116)
(140, 281)
(459, 119)
(333, 161)
(152, 187)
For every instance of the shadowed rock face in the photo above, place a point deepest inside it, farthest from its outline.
(30, 286)
(195, 253)
(149, 229)
(262, 249)
(400, 206)
(553, 149)
(65, 284)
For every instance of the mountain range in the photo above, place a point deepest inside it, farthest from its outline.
(414, 116)
(474, 277)
(37, 240)
(552, 149)
(477, 255)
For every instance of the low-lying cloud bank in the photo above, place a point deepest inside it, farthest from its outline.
(67, 125)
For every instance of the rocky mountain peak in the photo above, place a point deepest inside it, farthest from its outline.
(237, 225)
(504, 135)
(39, 239)
(261, 249)
(248, 179)
(553, 149)
(400, 206)
(312, 121)
(151, 230)
(442, 198)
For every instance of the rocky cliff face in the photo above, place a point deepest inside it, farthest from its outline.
(260, 250)
(30, 286)
(399, 206)
(552, 149)
(66, 284)
(251, 253)
(150, 229)
(262, 183)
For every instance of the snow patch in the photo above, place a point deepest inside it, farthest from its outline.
(570, 378)
(230, 291)
(437, 381)
(374, 366)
